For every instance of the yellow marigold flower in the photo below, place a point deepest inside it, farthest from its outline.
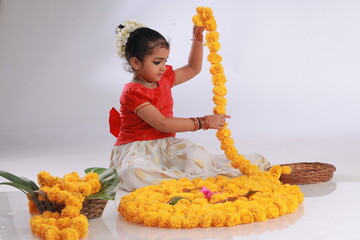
(53, 194)
(176, 220)
(73, 201)
(205, 219)
(210, 25)
(272, 211)
(213, 37)
(52, 233)
(45, 189)
(231, 153)
(232, 219)
(228, 141)
(96, 185)
(81, 224)
(204, 13)
(191, 220)
(259, 212)
(85, 188)
(71, 177)
(216, 68)
(218, 219)
(219, 110)
(221, 91)
(45, 179)
(213, 46)
(246, 216)
(69, 186)
(285, 170)
(32, 207)
(281, 204)
(197, 21)
(69, 234)
(70, 211)
(90, 176)
(219, 100)
(218, 80)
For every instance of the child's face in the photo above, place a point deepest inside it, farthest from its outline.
(153, 66)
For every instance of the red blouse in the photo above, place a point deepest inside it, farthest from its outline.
(133, 97)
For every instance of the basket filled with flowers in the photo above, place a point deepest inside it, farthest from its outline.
(89, 194)
(61, 207)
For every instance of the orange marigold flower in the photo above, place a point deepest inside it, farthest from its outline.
(81, 224)
(210, 25)
(285, 170)
(218, 80)
(214, 58)
(197, 21)
(220, 91)
(219, 100)
(216, 68)
(32, 207)
(212, 37)
(213, 46)
(69, 234)
(71, 177)
(63, 222)
(219, 110)
(85, 188)
(70, 211)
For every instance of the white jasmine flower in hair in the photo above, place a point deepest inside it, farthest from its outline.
(123, 34)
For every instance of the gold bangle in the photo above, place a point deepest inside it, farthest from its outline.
(205, 122)
(196, 126)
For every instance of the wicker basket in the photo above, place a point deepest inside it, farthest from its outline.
(92, 208)
(308, 172)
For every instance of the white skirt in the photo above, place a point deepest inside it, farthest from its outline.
(143, 163)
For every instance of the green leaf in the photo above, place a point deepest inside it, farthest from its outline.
(19, 182)
(249, 193)
(95, 170)
(174, 200)
(19, 186)
(109, 182)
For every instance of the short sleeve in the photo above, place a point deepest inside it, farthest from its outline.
(132, 98)
(169, 75)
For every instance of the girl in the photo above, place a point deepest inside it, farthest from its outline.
(146, 150)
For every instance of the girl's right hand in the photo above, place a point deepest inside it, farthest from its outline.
(216, 121)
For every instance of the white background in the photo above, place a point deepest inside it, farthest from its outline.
(292, 68)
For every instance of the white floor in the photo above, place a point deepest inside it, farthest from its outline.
(330, 211)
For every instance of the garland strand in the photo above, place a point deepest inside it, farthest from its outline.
(205, 18)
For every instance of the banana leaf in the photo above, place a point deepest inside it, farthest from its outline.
(109, 183)
(24, 184)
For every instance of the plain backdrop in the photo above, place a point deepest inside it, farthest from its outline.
(292, 69)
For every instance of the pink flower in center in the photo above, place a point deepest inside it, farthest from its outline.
(207, 193)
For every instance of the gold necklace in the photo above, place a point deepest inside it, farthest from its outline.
(144, 83)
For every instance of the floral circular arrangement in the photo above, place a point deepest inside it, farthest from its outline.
(221, 201)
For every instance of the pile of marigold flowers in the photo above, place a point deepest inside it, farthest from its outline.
(221, 201)
(70, 190)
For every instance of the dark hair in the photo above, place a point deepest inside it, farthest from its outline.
(142, 42)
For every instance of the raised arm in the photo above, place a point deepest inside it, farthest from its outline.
(194, 64)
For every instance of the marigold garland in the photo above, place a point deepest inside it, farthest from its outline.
(70, 190)
(254, 197)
